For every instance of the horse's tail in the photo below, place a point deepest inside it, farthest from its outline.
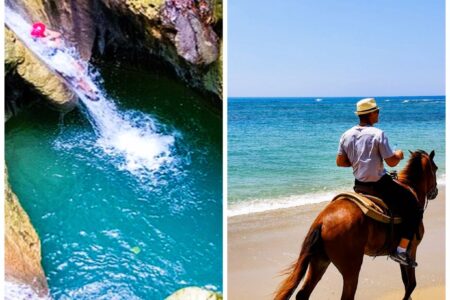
(298, 269)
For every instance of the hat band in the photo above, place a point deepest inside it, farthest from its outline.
(366, 111)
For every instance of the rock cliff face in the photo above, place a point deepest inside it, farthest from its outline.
(182, 35)
(22, 247)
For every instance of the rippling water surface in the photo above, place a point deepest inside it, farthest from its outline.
(115, 220)
(282, 151)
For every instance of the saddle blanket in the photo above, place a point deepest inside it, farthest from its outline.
(371, 206)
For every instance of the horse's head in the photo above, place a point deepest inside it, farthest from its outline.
(420, 174)
(431, 170)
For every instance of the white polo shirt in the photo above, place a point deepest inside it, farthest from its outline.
(366, 147)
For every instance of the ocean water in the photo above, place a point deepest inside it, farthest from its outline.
(282, 151)
(133, 214)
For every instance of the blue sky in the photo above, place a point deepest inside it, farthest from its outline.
(336, 48)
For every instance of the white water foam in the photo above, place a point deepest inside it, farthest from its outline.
(263, 205)
(437, 100)
(133, 138)
(431, 101)
(18, 291)
(441, 179)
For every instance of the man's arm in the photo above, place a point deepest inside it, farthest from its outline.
(394, 159)
(342, 161)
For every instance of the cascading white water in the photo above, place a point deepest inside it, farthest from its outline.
(135, 139)
(15, 291)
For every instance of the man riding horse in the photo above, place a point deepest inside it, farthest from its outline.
(364, 147)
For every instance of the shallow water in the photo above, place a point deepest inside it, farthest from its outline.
(110, 228)
(282, 151)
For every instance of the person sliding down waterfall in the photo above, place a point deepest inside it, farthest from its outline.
(53, 41)
(364, 148)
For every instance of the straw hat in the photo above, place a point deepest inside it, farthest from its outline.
(365, 106)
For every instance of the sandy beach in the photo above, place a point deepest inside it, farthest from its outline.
(261, 245)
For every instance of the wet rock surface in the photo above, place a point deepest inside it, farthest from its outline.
(22, 246)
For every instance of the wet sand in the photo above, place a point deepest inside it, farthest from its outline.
(261, 245)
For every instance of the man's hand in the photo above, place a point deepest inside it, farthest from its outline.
(394, 159)
(398, 154)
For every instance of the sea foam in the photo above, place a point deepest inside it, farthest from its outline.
(265, 205)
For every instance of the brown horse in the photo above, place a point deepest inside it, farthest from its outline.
(342, 234)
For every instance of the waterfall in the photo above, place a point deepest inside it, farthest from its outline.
(134, 140)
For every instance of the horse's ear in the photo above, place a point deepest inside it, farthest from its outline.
(432, 155)
(410, 152)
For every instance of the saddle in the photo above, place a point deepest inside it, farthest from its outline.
(371, 206)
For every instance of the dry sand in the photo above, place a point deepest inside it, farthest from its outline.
(261, 245)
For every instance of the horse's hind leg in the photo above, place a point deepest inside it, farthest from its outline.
(350, 285)
(349, 267)
(317, 267)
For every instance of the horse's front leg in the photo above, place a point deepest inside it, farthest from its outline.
(409, 276)
(409, 280)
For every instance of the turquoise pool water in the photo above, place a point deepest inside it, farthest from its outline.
(110, 228)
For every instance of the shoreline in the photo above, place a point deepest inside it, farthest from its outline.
(261, 245)
(257, 206)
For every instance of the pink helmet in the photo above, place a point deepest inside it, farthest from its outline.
(38, 30)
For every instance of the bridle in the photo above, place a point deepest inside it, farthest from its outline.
(433, 192)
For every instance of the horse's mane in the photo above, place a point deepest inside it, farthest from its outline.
(412, 172)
